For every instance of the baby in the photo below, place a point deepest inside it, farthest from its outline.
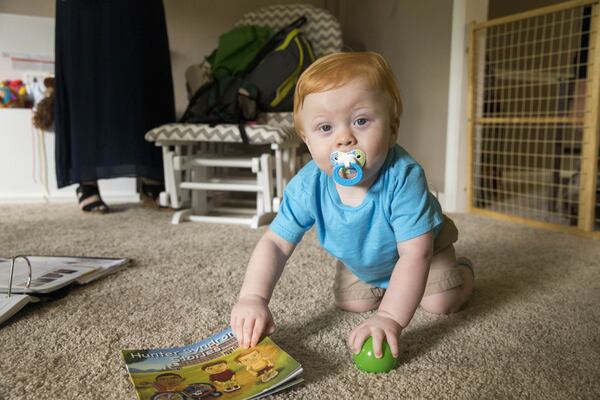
(370, 204)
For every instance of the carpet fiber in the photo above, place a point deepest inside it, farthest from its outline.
(531, 329)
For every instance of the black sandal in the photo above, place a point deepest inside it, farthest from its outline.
(89, 199)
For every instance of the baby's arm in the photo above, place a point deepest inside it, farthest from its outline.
(404, 293)
(250, 317)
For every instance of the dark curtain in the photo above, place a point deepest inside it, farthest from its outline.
(113, 84)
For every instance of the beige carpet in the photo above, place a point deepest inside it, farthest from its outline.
(531, 329)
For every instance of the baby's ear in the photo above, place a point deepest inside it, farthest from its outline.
(394, 125)
(307, 144)
(299, 131)
(302, 135)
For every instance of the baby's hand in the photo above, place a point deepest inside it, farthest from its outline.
(380, 326)
(250, 318)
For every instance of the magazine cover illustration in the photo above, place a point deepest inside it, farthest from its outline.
(213, 368)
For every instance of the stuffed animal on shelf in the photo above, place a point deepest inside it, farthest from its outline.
(43, 112)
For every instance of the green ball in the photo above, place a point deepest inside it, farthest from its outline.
(366, 360)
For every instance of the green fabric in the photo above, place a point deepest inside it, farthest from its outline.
(237, 49)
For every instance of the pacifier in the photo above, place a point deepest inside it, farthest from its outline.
(348, 163)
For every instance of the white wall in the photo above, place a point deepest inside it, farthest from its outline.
(455, 186)
(414, 37)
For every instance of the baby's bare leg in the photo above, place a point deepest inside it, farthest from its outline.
(445, 301)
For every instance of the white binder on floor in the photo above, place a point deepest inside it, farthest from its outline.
(45, 275)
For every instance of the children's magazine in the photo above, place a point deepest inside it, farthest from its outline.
(213, 368)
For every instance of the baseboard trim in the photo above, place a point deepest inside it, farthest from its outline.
(28, 198)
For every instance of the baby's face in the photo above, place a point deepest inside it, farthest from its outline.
(352, 116)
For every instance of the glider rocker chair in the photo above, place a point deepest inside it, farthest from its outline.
(208, 169)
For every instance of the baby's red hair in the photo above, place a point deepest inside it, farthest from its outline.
(337, 69)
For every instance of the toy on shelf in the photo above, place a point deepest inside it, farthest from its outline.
(366, 360)
(13, 94)
(6, 97)
(43, 112)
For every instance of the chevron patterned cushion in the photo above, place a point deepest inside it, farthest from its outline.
(269, 128)
(322, 29)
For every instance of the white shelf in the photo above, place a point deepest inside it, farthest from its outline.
(19, 165)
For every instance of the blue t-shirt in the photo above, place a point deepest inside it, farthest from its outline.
(397, 207)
